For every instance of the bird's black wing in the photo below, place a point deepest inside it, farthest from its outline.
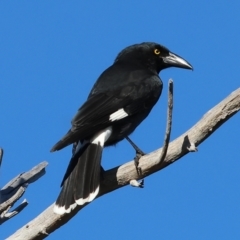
(94, 115)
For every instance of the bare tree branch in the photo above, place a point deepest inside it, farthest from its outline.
(12, 199)
(140, 184)
(118, 177)
(1, 156)
(6, 215)
(169, 122)
(14, 189)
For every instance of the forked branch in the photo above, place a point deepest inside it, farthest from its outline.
(169, 122)
(14, 189)
(115, 178)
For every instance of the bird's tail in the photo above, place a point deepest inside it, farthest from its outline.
(82, 179)
(81, 182)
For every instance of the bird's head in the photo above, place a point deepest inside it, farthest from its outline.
(152, 55)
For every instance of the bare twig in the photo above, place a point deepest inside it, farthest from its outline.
(14, 189)
(134, 182)
(118, 177)
(1, 156)
(10, 202)
(169, 122)
(6, 215)
(27, 177)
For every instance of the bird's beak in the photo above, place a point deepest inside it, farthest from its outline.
(173, 60)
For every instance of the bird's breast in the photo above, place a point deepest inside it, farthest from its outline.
(153, 89)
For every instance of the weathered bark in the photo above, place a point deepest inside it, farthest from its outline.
(14, 189)
(120, 176)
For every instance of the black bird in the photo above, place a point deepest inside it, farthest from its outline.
(120, 100)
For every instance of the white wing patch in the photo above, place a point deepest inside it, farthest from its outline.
(119, 114)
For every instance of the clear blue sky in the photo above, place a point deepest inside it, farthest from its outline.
(51, 53)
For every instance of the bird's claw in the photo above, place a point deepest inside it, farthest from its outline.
(192, 147)
(136, 183)
(139, 154)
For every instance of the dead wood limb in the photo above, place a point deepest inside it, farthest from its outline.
(6, 215)
(1, 156)
(169, 122)
(115, 178)
(15, 188)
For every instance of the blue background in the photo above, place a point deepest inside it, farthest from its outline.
(51, 53)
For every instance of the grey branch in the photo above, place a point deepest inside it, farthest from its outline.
(1, 156)
(115, 178)
(14, 189)
(6, 215)
(169, 122)
(140, 184)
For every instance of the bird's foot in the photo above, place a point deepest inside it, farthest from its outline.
(192, 147)
(137, 149)
(139, 154)
(136, 183)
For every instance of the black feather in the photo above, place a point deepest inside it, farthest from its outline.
(131, 85)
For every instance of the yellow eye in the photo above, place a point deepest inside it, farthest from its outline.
(157, 51)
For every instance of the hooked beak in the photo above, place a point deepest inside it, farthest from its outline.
(173, 60)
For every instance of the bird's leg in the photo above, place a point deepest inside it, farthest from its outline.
(137, 149)
(139, 154)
